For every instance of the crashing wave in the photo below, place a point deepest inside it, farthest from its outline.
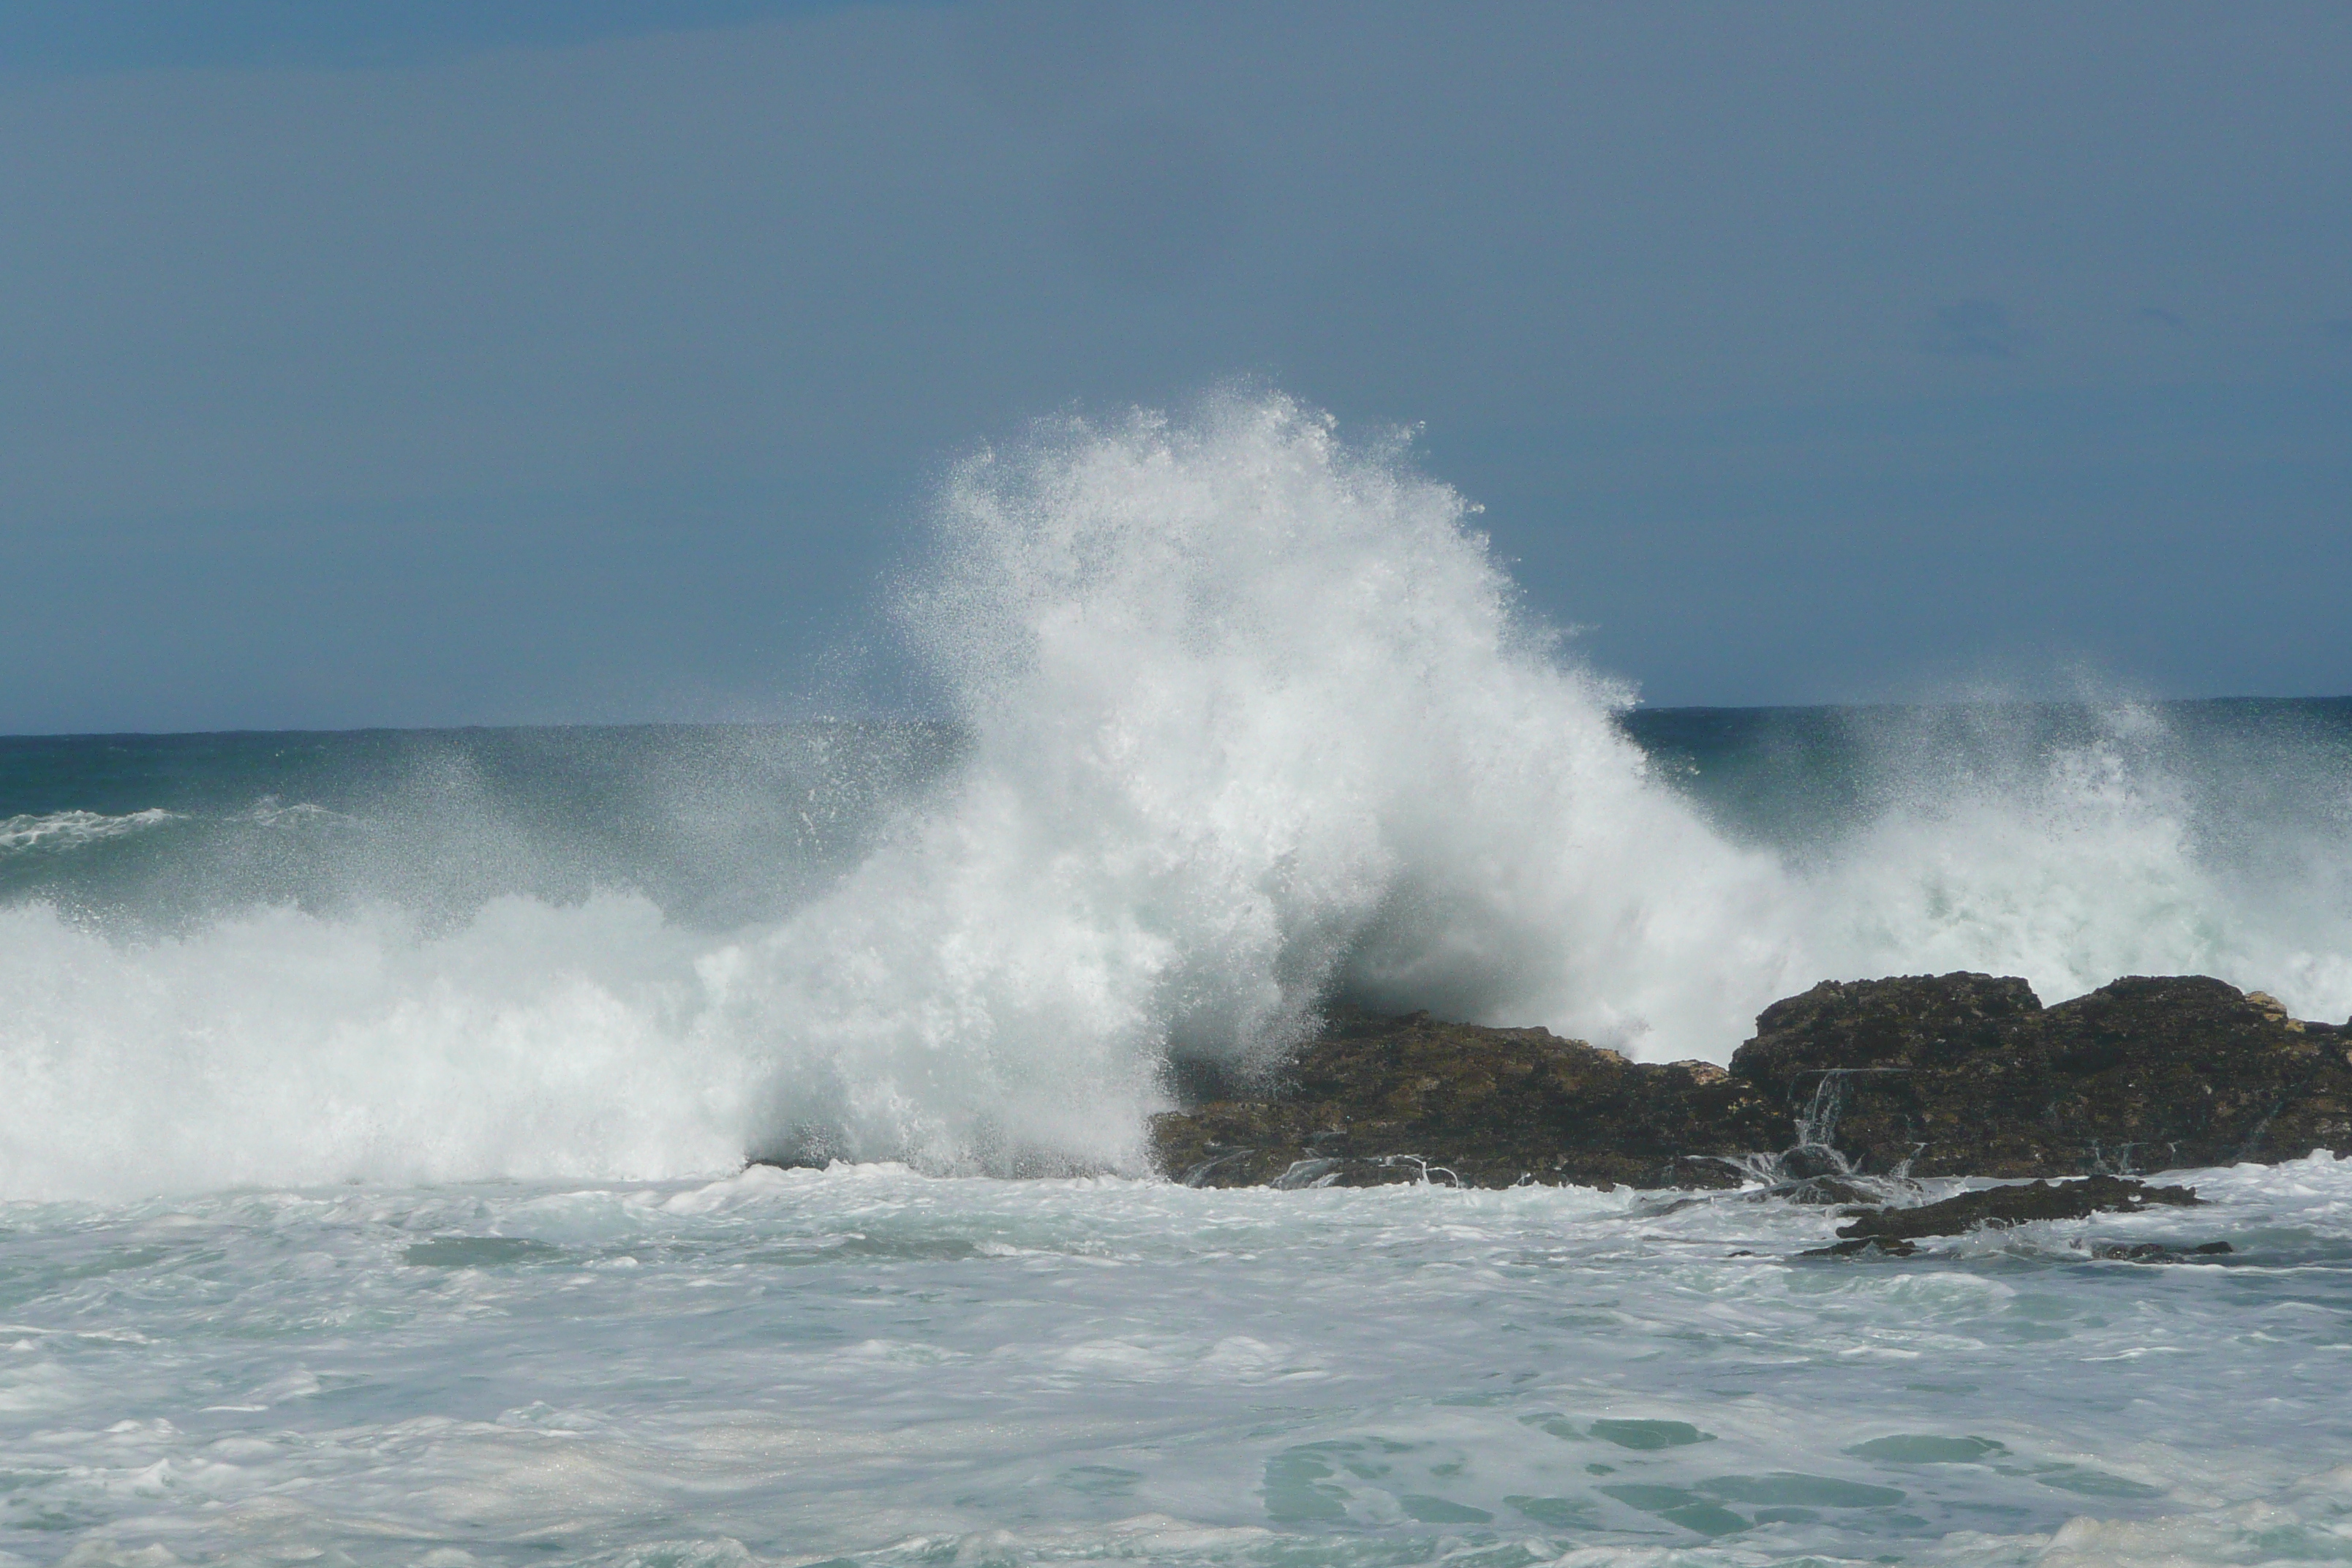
(1252, 721)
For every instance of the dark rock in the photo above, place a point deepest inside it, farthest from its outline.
(1969, 1075)
(1894, 1230)
(2139, 1252)
(1828, 1192)
(2001, 1206)
(1856, 1249)
(1813, 1162)
(1949, 1075)
(1378, 1099)
(2156, 1252)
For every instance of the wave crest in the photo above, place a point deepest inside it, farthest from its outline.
(57, 831)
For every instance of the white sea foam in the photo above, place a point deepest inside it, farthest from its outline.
(271, 811)
(785, 1368)
(57, 830)
(282, 1047)
(1253, 721)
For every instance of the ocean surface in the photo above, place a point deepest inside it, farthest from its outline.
(376, 1106)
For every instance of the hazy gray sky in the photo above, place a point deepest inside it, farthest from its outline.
(455, 363)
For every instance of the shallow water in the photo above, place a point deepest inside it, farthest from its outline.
(872, 1364)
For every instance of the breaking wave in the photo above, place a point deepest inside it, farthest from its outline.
(1252, 721)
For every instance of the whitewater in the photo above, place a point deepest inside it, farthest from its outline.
(1252, 721)
(374, 1110)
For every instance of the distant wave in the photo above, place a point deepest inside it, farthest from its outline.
(271, 812)
(60, 830)
(56, 831)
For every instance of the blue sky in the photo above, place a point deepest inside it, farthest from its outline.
(477, 363)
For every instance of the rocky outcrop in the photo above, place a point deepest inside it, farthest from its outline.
(1375, 1100)
(2015, 1205)
(1966, 1075)
(1949, 1075)
(1894, 1227)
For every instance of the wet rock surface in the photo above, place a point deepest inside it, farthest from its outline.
(2015, 1205)
(2156, 1252)
(1895, 1229)
(1944, 1075)
(1969, 1075)
(1376, 1100)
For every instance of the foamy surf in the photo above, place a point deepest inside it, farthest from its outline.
(866, 1364)
(1250, 720)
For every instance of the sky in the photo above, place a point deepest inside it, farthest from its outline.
(552, 360)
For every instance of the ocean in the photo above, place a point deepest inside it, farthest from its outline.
(376, 1106)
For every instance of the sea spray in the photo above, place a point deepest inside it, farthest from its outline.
(277, 1047)
(1247, 720)
(2073, 862)
(1253, 721)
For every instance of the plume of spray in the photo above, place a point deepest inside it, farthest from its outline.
(1256, 724)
